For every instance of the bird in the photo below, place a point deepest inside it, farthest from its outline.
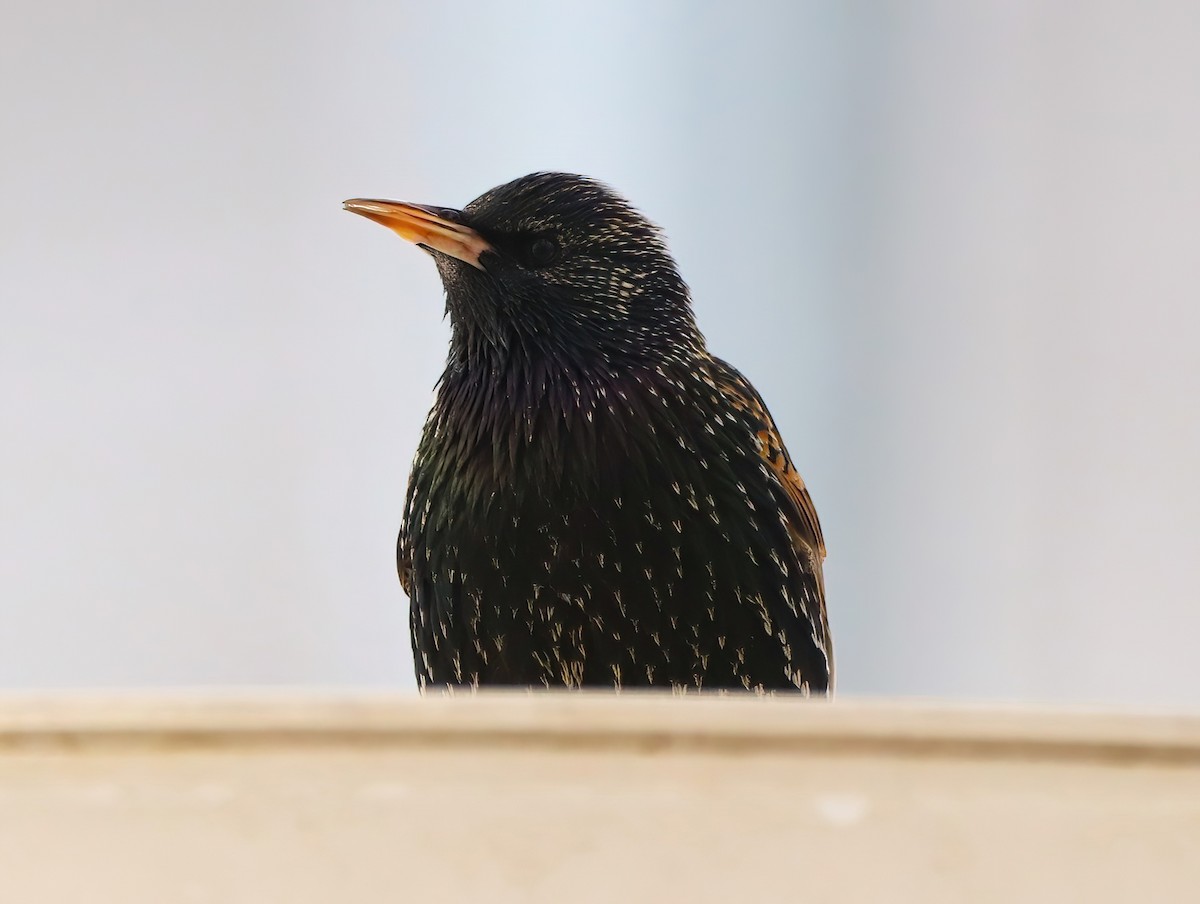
(596, 500)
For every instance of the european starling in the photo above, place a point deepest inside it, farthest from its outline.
(596, 500)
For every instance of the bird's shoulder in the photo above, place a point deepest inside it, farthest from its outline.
(739, 393)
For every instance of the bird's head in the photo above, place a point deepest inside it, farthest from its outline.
(555, 266)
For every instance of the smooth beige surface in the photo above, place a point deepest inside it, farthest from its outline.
(590, 798)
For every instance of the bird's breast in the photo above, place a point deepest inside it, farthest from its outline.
(648, 550)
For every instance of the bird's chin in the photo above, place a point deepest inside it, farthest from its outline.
(471, 302)
(456, 275)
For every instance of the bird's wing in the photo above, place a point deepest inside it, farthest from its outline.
(803, 524)
(745, 398)
(404, 565)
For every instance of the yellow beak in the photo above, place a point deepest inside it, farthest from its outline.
(428, 227)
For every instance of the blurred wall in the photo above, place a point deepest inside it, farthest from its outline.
(954, 245)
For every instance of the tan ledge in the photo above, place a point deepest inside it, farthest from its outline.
(575, 797)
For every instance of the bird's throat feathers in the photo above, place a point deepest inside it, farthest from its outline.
(545, 422)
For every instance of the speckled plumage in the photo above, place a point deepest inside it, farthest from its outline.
(596, 500)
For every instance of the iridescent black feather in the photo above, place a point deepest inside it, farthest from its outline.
(596, 500)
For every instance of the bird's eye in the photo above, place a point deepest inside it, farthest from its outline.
(543, 251)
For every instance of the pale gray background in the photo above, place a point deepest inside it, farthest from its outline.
(954, 244)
